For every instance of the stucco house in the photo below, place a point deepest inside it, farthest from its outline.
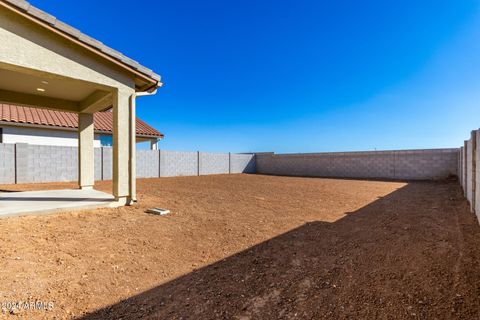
(21, 124)
(48, 64)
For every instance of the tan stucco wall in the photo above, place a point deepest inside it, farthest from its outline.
(34, 47)
(121, 154)
(86, 170)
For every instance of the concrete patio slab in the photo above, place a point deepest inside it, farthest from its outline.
(51, 201)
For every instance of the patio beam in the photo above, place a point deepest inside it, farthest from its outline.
(97, 101)
(37, 101)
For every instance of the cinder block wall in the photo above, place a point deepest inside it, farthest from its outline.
(107, 163)
(176, 163)
(470, 171)
(240, 163)
(148, 163)
(35, 164)
(7, 163)
(464, 168)
(97, 165)
(476, 175)
(24, 163)
(461, 171)
(409, 164)
(214, 163)
(469, 176)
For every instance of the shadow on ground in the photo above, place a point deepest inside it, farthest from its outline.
(412, 254)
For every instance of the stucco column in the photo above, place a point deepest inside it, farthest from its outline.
(133, 150)
(85, 151)
(121, 147)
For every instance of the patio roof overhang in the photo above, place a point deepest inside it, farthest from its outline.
(45, 63)
(145, 78)
(32, 87)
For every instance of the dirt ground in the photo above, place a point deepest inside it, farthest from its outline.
(250, 247)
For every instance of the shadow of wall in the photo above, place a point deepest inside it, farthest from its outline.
(413, 253)
(251, 166)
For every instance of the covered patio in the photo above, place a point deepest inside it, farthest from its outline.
(45, 63)
(52, 201)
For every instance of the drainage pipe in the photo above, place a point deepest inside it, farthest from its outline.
(132, 140)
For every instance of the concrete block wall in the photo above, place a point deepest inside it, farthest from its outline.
(22, 175)
(470, 166)
(242, 163)
(476, 175)
(148, 164)
(408, 164)
(7, 163)
(24, 163)
(107, 163)
(98, 164)
(214, 163)
(176, 163)
(460, 166)
(48, 164)
(469, 176)
(464, 168)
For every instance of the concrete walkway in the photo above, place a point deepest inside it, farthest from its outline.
(42, 202)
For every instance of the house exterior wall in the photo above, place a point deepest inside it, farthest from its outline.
(35, 47)
(45, 137)
(41, 51)
(52, 137)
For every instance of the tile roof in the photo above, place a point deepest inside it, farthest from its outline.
(38, 14)
(103, 121)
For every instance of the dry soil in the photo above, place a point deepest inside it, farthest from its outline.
(251, 247)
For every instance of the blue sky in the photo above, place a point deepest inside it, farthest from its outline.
(298, 76)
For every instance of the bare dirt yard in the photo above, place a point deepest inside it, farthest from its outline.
(251, 247)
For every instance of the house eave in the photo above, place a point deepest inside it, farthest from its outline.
(149, 78)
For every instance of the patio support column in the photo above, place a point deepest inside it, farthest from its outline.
(85, 151)
(133, 151)
(121, 147)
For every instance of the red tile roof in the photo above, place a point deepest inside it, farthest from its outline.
(103, 121)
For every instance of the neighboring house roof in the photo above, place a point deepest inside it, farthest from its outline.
(103, 121)
(44, 17)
